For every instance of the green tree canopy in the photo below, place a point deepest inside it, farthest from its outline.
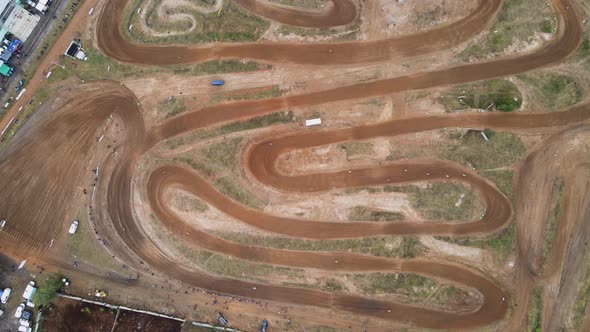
(48, 289)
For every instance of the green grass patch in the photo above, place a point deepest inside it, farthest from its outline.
(172, 107)
(551, 223)
(231, 24)
(224, 154)
(230, 188)
(361, 213)
(502, 179)
(84, 246)
(501, 95)
(428, 17)
(254, 123)
(189, 203)
(584, 50)
(503, 149)
(196, 165)
(500, 245)
(546, 26)
(333, 285)
(408, 284)
(583, 298)
(275, 91)
(445, 201)
(224, 265)
(238, 268)
(357, 149)
(350, 33)
(399, 247)
(518, 20)
(535, 310)
(554, 91)
(100, 67)
(309, 4)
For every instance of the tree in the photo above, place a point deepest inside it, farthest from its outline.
(48, 290)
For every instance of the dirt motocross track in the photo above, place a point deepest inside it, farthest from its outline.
(65, 136)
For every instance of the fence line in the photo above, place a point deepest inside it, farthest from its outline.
(119, 307)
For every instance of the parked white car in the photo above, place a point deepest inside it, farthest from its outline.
(2, 223)
(5, 295)
(24, 322)
(73, 227)
(19, 310)
(24, 329)
(29, 291)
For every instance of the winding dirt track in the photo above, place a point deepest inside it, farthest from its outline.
(81, 117)
(113, 44)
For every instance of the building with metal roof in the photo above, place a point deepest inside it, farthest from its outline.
(17, 20)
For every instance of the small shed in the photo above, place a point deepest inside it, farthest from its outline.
(313, 122)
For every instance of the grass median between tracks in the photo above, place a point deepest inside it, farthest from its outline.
(398, 247)
(100, 67)
(535, 310)
(517, 22)
(172, 107)
(309, 4)
(413, 289)
(361, 213)
(552, 90)
(500, 245)
(441, 200)
(231, 24)
(253, 94)
(188, 203)
(471, 149)
(551, 222)
(502, 179)
(355, 150)
(468, 148)
(254, 123)
(224, 265)
(501, 95)
(583, 297)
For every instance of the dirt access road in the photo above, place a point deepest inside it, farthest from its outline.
(50, 142)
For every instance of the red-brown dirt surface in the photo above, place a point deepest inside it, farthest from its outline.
(50, 153)
(129, 321)
(73, 316)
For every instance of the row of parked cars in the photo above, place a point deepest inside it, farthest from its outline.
(23, 313)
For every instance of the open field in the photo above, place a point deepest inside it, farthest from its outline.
(461, 122)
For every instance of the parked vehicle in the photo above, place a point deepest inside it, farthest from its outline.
(2, 223)
(74, 227)
(24, 322)
(29, 291)
(222, 319)
(217, 82)
(27, 314)
(19, 310)
(264, 326)
(5, 295)
(100, 293)
(24, 329)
